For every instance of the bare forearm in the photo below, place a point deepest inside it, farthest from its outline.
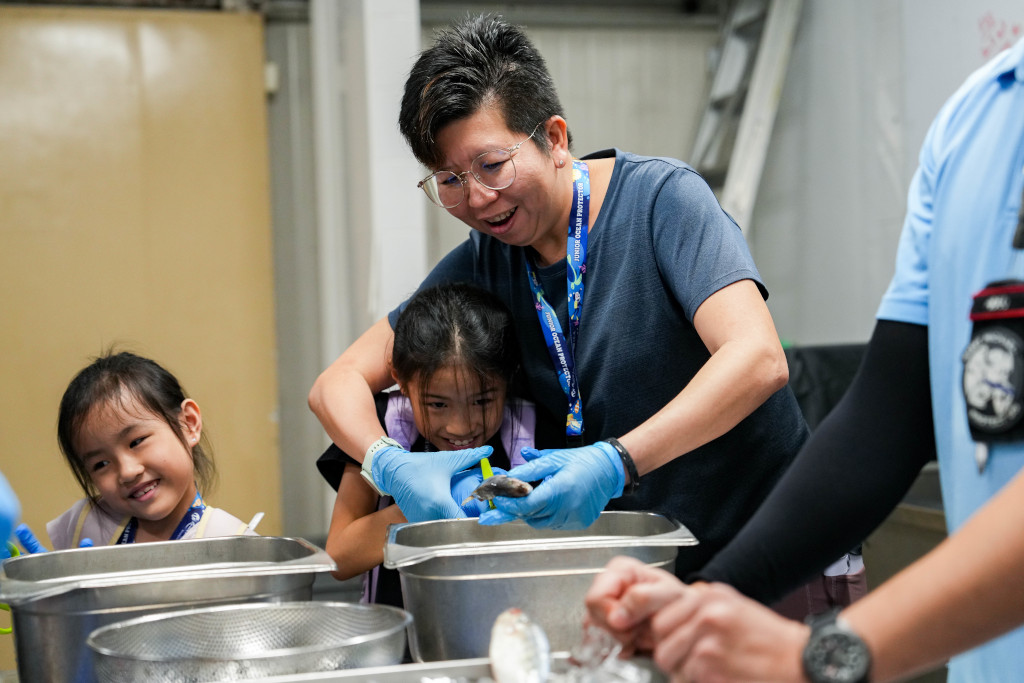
(747, 365)
(342, 396)
(956, 597)
(344, 405)
(734, 382)
(359, 547)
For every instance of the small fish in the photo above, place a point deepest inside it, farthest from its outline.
(519, 649)
(499, 485)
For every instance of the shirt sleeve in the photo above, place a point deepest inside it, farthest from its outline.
(699, 248)
(906, 299)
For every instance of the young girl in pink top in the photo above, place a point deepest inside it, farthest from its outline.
(454, 359)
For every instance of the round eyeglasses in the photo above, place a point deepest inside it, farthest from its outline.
(495, 170)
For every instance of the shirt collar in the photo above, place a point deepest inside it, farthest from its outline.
(1014, 63)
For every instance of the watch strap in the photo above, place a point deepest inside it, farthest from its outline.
(632, 476)
(822, 619)
(366, 470)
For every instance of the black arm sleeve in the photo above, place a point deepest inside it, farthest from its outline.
(848, 477)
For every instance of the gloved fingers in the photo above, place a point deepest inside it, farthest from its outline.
(474, 474)
(544, 508)
(531, 454)
(86, 543)
(421, 510)
(474, 507)
(460, 460)
(496, 517)
(571, 497)
(545, 522)
(555, 522)
(539, 469)
(391, 458)
(28, 540)
(587, 465)
(536, 504)
(470, 477)
(464, 483)
(539, 517)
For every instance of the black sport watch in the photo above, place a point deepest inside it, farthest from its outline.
(835, 653)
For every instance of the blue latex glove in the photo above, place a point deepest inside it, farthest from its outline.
(28, 540)
(463, 484)
(577, 485)
(422, 484)
(10, 510)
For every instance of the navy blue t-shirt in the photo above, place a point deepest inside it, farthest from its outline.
(661, 245)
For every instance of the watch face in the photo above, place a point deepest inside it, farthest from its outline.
(836, 656)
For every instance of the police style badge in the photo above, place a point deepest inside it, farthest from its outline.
(993, 378)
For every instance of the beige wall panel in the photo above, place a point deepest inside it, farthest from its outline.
(134, 210)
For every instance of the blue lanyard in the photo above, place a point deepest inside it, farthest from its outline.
(191, 518)
(562, 350)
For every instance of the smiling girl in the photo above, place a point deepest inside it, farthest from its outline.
(135, 443)
(454, 357)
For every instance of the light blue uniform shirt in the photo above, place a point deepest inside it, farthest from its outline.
(961, 217)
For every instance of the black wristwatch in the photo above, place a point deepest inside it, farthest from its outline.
(835, 653)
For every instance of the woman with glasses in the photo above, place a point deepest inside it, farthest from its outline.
(641, 316)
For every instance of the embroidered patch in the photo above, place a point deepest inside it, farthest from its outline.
(993, 379)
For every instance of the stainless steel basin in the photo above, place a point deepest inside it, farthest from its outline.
(58, 598)
(457, 670)
(458, 576)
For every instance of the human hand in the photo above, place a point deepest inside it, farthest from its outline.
(33, 546)
(711, 632)
(624, 596)
(464, 483)
(28, 540)
(422, 484)
(577, 485)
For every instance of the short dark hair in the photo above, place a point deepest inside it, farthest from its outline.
(481, 61)
(454, 324)
(460, 326)
(114, 378)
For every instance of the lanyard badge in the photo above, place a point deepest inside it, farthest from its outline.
(994, 367)
(993, 379)
(561, 348)
(191, 518)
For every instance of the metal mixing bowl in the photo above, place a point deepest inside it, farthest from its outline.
(258, 640)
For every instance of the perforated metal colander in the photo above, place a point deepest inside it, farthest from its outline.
(254, 640)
